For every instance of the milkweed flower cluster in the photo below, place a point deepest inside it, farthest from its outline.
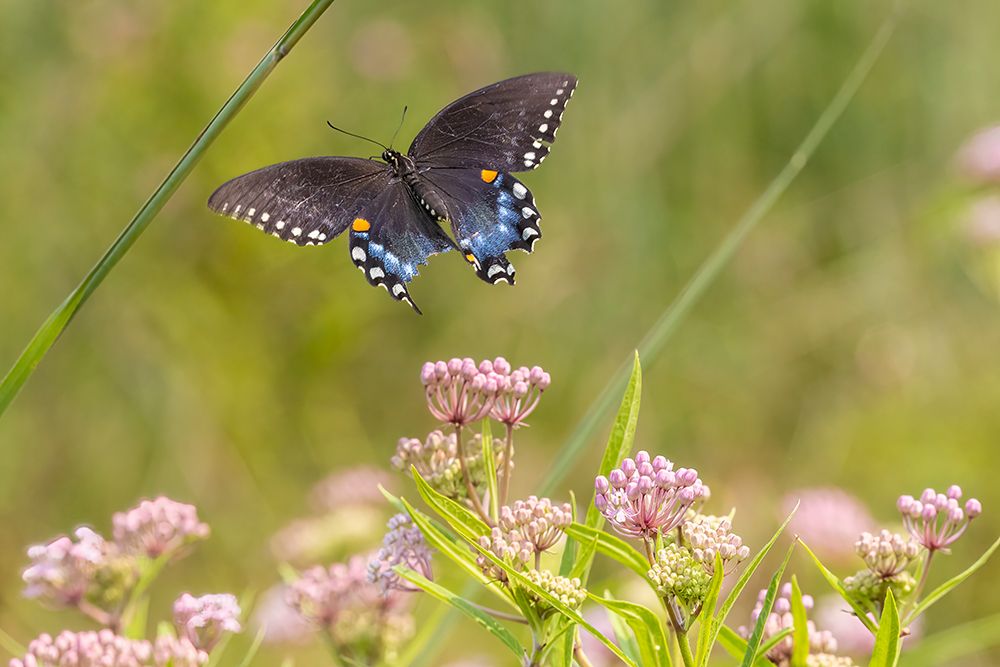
(707, 536)
(937, 520)
(887, 556)
(361, 622)
(644, 497)
(518, 390)
(98, 577)
(436, 460)
(569, 591)
(157, 527)
(822, 644)
(106, 649)
(458, 392)
(404, 544)
(676, 574)
(204, 620)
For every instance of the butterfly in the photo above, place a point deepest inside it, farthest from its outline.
(457, 172)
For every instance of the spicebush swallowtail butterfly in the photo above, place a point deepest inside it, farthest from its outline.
(457, 171)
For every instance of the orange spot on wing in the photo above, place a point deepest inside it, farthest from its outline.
(361, 225)
(470, 258)
(488, 175)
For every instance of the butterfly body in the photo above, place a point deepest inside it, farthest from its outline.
(457, 174)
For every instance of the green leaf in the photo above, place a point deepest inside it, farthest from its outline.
(736, 646)
(768, 645)
(489, 461)
(455, 551)
(800, 627)
(624, 636)
(518, 580)
(568, 560)
(463, 520)
(744, 579)
(441, 593)
(647, 630)
(758, 629)
(946, 587)
(886, 651)
(859, 609)
(610, 546)
(622, 436)
(704, 647)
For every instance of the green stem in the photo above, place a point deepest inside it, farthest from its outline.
(919, 590)
(470, 488)
(60, 318)
(652, 343)
(508, 454)
(581, 657)
(684, 645)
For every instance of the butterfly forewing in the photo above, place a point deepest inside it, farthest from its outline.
(506, 126)
(391, 237)
(490, 213)
(307, 201)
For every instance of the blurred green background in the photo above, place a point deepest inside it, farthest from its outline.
(851, 343)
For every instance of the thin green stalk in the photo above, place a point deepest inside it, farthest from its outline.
(60, 318)
(652, 343)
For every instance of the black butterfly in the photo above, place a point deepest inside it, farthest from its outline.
(458, 170)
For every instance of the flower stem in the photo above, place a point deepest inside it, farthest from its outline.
(919, 590)
(469, 487)
(679, 632)
(650, 550)
(581, 657)
(60, 318)
(501, 615)
(508, 454)
(652, 343)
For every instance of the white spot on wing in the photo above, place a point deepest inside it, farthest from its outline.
(560, 91)
(527, 212)
(314, 234)
(296, 231)
(376, 273)
(358, 253)
(528, 233)
(280, 224)
(519, 191)
(543, 128)
(548, 113)
(530, 155)
(554, 101)
(398, 289)
(264, 217)
(251, 211)
(493, 270)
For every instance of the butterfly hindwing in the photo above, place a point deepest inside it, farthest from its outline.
(307, 201)
(506, 126)
(491, 213)
(391, 237)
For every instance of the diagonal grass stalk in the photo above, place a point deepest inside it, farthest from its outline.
(652, 343)
(60, 318)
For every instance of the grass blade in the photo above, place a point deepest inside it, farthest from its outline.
(652, 343)
(704, 648)
(800, 629)
(753, 643)
(886, 651)
(252, 652)
(490, 464)
(441, 593)
(60, 318)
(944, 588)
(647, 630)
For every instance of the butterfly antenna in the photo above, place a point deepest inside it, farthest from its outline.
(357, 136)
(398, 127)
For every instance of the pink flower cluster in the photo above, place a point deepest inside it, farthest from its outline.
(204, 620)
(322, 594)
(643, 496)
(106, 649)
(404, 544)
(156, 527)
(536, 520)
(462, 392)
(936, 520)
(61, 572)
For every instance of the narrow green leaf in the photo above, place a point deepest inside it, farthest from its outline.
(455, 551)
(744, 579)
(489, 461)
(393, 500)
(586, 556)
(624, 636)
(611, 546)
(736, 646)
(758, 629)
(60, 318)
(468, 525)
(518, 580)
(252, 652)
(800, 628)
(441, 593)
(568, 560)
(622, 436)
(946, 587)
(768, 645)
(707, 616)
(886, 651)
(11, 645)
(647, 629)
(838, 585)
